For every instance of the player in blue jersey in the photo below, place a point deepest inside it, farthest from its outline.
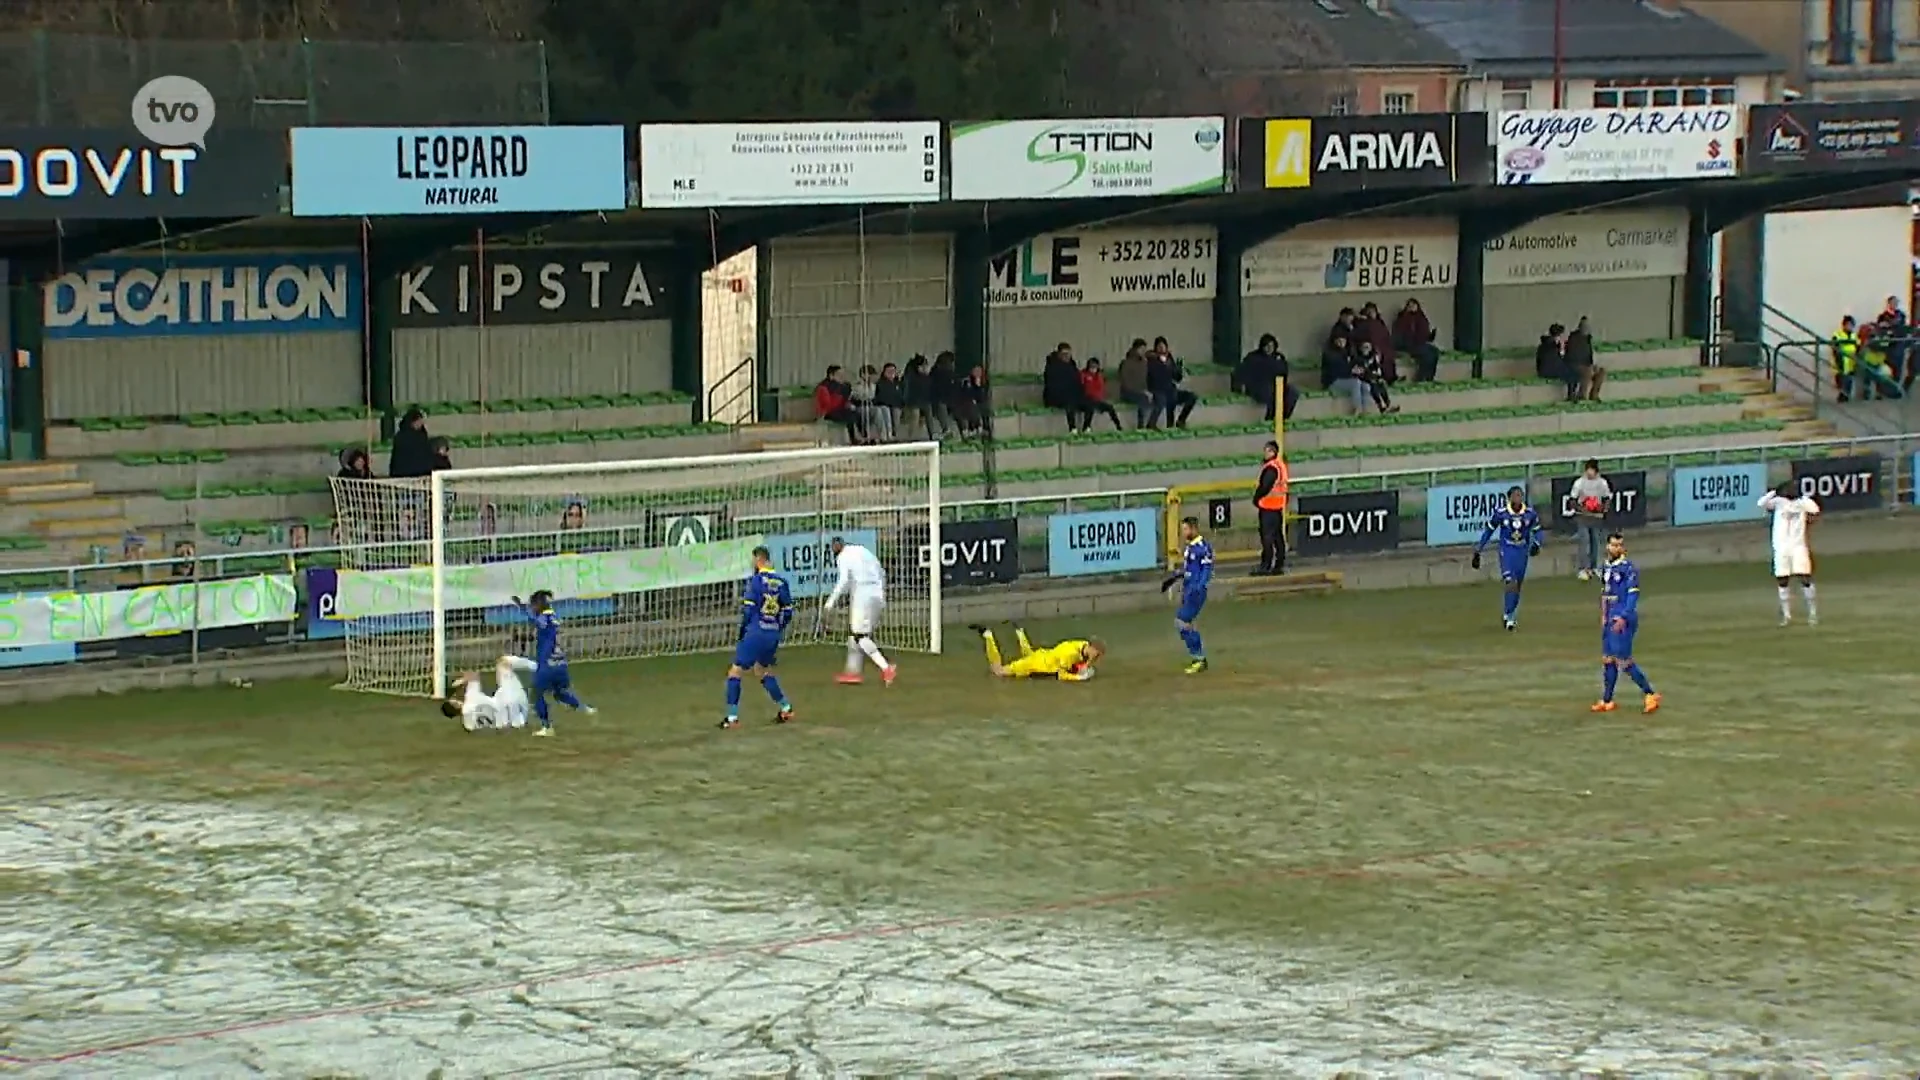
(1195, 574)
(766, 607)
(1517, 526)
(550, 675)
(1619, 622)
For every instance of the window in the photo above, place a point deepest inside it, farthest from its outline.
(1339, 104)
(1880, 47)
(1839, 31)
(1396, 102)
(1660, 93)
(1515, 100)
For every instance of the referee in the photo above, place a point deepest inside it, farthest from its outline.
(1270, 498)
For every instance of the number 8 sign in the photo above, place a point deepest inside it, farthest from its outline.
(1219, 513)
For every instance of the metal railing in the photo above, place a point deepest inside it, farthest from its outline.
(745, 390)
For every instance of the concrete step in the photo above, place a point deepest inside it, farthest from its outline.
(1274, 588)
(107, 530)
(27, 474)
(52, 491)
(70, 509)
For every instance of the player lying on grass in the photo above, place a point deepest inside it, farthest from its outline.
(1069, 661)
(505, 708)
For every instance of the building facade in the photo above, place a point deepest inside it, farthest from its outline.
(1836, 50)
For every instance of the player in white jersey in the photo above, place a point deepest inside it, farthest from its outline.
(860, 574)
(1792, 557)
(501, 710)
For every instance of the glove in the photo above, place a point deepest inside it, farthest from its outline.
(1533, 549)
(517, 602)
(1476, 560)
(1169, 583)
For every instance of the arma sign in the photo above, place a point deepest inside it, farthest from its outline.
(1351, 153)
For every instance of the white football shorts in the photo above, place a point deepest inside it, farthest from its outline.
(1793, 562)
(863, 613)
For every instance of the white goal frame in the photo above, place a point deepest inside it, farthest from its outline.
(437, 515)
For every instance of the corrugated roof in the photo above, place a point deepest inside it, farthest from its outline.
(1266, 36)
(1512, 35)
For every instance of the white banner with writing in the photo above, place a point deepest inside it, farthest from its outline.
(1085, 159)
(1599, 246)
(171, 608)
(1354, 256)
(1587, 146)
(1143, 265)
(799, 164)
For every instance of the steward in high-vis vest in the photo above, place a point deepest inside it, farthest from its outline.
(1846, 356)
(1270, 498)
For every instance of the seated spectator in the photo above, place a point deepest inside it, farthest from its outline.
(412, 447)
(1060, 385)
(1892, 327)
(943, 389)
(1369, 370)
(1093, 389)
(355, 465)
(1876, 377)
(916, 390)
(297, 536)
(1550, 357)
(1164, 375)
(1256, 374)
(442, 449)
(1337, 374)
(186, 561)
(890, 399)
(833, 403)
(874, 420)
(1583, 377)
(574, 517)
(970, 404)
(1374, 331)
(1344, 328)
(1133, 381)
(1413, 335)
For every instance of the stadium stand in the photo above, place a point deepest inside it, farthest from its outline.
(244, 478)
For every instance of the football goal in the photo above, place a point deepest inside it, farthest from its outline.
(643, 558)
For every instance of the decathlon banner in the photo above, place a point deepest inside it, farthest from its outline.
(383, 172)
(801, 164)
(175, 608)
(203, 294)
(1587, 146)
(1089, 159)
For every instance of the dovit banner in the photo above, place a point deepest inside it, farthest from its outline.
(973, 552)
(1842, 483)
(1346, 524)
(1627, 509)
(65, 173)
(535, 287)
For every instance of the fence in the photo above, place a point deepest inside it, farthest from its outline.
(82, 80)
(191, 602)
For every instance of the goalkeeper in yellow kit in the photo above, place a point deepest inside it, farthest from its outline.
(1069, 661)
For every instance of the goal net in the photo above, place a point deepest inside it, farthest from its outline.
(643, 558)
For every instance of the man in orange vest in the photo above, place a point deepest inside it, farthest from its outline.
(1270, 498)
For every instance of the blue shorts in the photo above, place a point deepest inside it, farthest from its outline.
(1190, 605)
(547, 680)
(756, 649)
(1513, 568)
(1619, 643)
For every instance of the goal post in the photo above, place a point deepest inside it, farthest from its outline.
(643, 558)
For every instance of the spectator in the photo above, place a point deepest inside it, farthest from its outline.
(1257, 372)
(1877, 377)
(1902, 359)
(412, 447)
(1093, 390)
(355, 465)
(1336, 374)
(186, 563)
(1164, 375)
(1375, 332)
(833, 403)
(574, 517)
(297, 536)
(442, 449)
(1583, 377)
(970, 404)
(874, 420)
(889, 400)
(1550, 357)
(1344, 329)
(489, 519)
(1133, 381)
(1369, 370)
(1589, 526)
(1413, 334)
(1060, 386)
(1846, 356)
(917, 389)
(945, 388)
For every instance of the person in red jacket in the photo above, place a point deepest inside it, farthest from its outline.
(833, 403)
(1093, 387)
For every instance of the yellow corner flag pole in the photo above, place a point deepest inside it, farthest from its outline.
(1280, 414)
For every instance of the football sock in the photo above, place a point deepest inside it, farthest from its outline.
(567, 698)
(733, 695)
(868, 646)
(1639, 678)
(1020, 636)
(853, 655)
(1509, 605)
(1192, 638)
(772, 685)
(1806, 593)
(540, 708)
(1609, 678)
(1786, 603)
(993, 649)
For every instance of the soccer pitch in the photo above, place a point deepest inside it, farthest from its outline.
(1381, 835)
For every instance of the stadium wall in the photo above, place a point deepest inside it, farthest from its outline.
(1099, 289)
(1625, 269)
(178, 335)
(1051, 598)
(853, 300)
(499, 324)
(1295, 284)
(1817, 265)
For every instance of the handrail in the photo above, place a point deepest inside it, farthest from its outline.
(719, 384)
(1768, 309)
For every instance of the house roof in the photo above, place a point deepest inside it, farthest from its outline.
(1250, 36)
(1599, 38)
